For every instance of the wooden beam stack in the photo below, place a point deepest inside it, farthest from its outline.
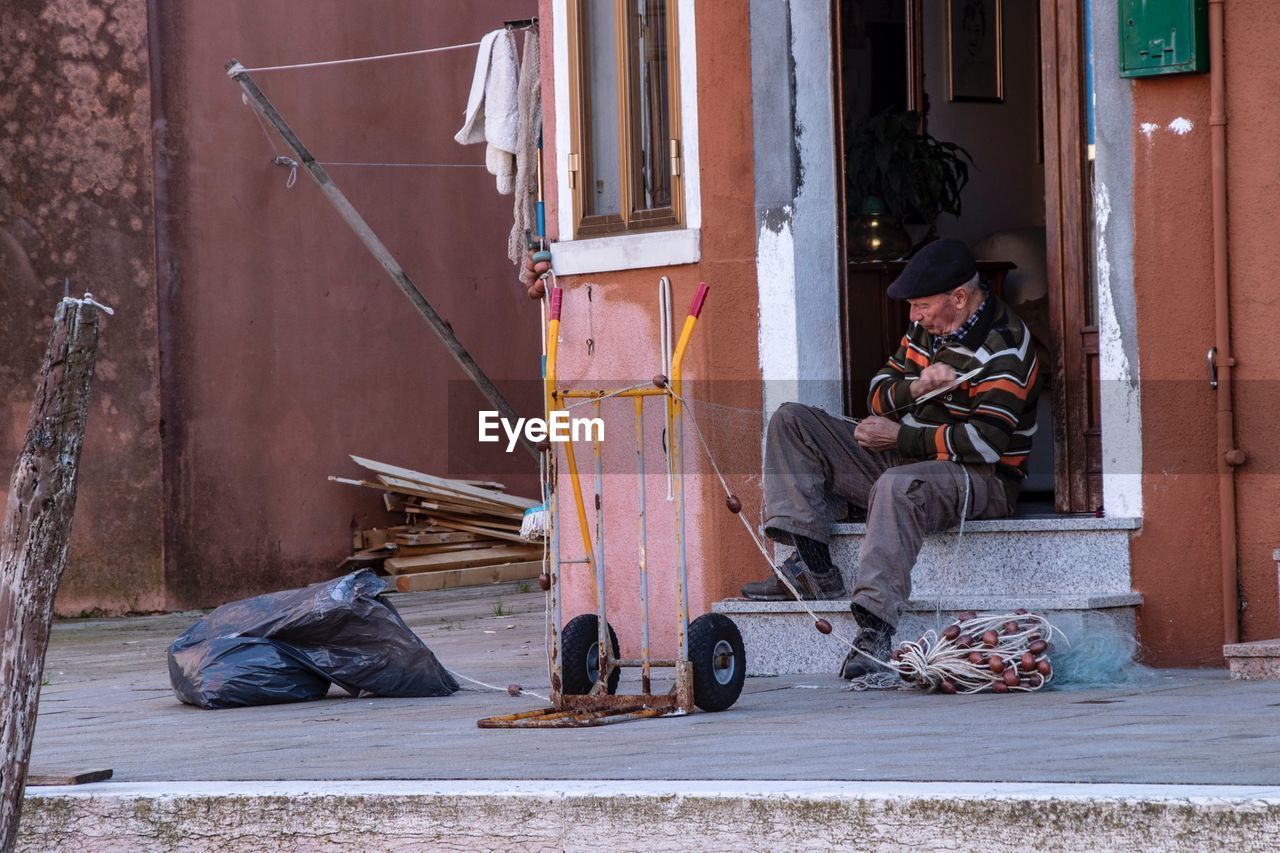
(457, 532)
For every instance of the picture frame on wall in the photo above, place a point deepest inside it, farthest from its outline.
(975, 50)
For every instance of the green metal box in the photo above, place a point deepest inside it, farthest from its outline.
(1163, 37)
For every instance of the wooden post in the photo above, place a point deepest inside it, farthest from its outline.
(258, 101)
(37, 530)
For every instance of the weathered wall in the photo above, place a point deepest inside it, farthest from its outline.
(1253, 75)
(285, 346)
(797, 259)
(1176, 563)
(76, 202)
(622, 318)
(1113, 217)
(1006, 182)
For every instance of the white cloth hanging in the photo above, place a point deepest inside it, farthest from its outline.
(493, 115)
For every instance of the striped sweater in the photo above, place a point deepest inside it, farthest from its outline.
(988, 419)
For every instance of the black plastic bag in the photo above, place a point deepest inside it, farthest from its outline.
(289, 646)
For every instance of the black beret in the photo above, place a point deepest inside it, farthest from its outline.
(940, 266)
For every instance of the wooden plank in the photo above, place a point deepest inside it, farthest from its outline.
(430, 493)
(347, 481)
(488, 522)
(67, 777)
(446, 548)
(477, 576)
(395, 490)
(442, 483)
(417, 497)
(365, 560)
(374, 537)
(461, 559)
(486, 531)
(488, 485)
(445, 538)
(462, 509)
(485, 523)
(461, 494)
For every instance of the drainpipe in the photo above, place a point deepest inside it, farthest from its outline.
(1221, 361)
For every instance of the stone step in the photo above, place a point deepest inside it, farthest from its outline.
(780, 637)
(1050, 555)
(1256, 660)
(654, 815)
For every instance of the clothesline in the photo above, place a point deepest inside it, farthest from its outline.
(408, 165)
(283, 160)
(237, 68)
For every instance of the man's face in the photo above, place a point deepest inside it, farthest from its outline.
(942, 313)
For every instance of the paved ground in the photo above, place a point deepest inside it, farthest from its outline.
(108, 703)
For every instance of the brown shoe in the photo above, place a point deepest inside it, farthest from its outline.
(810, 586)
(769, 589)
(874, 640)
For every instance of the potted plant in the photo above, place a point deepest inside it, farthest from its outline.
(897, 172)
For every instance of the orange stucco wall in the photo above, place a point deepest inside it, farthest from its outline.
(622, 319)
(1176, 557)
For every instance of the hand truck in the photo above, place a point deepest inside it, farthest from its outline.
(711, 662)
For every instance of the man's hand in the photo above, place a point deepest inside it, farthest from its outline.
(877, 433)
(531, 275)
(932, 378)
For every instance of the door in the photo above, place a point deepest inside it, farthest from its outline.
(896, 31)
(1068, 212)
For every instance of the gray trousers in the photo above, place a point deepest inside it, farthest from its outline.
(813, 471)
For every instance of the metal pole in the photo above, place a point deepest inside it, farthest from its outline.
(644, 559)
(553, 506)
(682, 577)
(384, 257)
(602, 627)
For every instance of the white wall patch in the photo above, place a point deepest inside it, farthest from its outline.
(1118, 396)
(1181, 126)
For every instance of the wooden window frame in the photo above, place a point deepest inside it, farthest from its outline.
(628, 219)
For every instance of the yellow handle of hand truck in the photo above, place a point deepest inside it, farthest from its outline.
(553, 350)
(695, 311)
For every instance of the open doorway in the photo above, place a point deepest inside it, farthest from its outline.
(971, 73)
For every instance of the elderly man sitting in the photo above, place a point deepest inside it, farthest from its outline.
(919, 461)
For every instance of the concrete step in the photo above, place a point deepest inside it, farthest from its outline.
(1074, 570)
(780, 637)
(1051, 555)
(1260, 659)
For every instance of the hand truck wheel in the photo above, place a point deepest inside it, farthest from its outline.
(719, 661)
(580, 656)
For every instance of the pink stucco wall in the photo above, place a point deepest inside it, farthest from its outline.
(722, 362)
